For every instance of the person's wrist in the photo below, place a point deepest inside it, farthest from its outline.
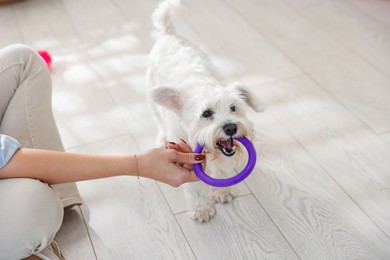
(139, 164)
(137, 173)
(132, 165)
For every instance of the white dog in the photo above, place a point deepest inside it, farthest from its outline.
(191, 103)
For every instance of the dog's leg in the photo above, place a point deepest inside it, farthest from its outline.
(201, 206)
(221, 195)
(227, 194)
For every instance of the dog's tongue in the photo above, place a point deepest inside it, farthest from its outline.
(227, 144)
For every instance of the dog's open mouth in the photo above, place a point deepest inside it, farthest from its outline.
(227, 147)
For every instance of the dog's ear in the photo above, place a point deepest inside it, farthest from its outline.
(167, 97)
(249, 97)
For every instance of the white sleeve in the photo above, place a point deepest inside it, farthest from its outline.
(8, 147)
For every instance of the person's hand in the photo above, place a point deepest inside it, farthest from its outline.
(172, 166)
(183, 147)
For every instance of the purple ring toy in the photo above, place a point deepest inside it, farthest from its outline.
(232, 180)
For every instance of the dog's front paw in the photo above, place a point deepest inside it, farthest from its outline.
(221, 195)
(203, 214)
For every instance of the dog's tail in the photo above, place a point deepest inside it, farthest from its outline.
(161, 17)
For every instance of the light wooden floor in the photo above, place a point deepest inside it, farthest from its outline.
(321, 189)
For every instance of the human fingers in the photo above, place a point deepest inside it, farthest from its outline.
(188, 158)
(184, 147)
(191, 177)
(180, 146)
(174, 146)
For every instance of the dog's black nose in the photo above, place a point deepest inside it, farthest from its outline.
(230, 129)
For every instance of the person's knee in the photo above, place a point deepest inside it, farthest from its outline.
(43, 204)
(34, 217)
(19, 51)
(23, 54)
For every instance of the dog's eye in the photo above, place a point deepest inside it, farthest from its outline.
(233, 108)
(207, 113)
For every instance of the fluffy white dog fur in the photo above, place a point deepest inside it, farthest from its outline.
(190, 102)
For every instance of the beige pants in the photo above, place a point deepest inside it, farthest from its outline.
(31, 212)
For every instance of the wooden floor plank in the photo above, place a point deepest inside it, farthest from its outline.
(8, 28)
(126, 220)
(178, 203)
(139, 13)
(240, 230)
(73, 237)
(83, 106)
(386, 137)
(379, 9)
(354, 82)
(304, 3)
(98, 24)
(363, 34)
(51, 31)
(356, 158)
(253, 59)
(315, 215)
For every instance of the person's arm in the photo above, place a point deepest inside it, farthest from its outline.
(165, 165)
